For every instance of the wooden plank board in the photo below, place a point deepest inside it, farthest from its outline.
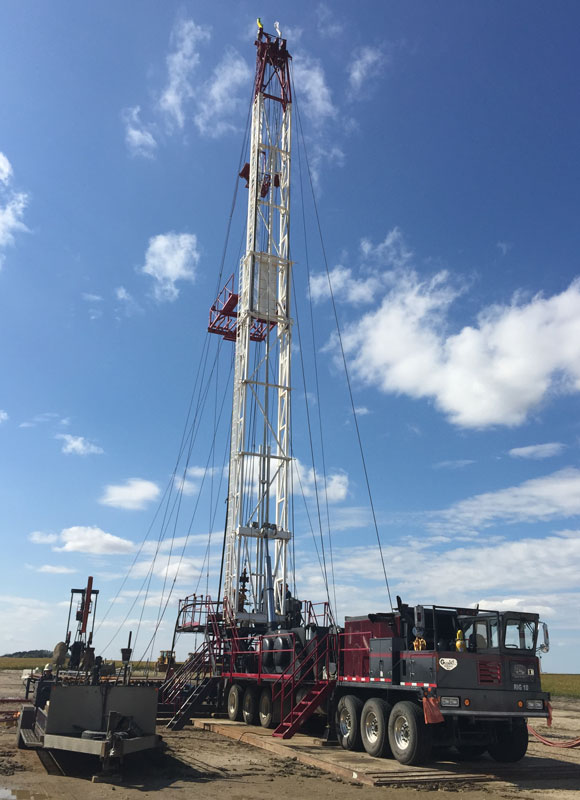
(364, 769)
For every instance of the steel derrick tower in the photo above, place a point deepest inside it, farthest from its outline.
(257, 316)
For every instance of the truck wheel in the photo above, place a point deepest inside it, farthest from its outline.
(409, 737)
(348, 722)
(235, 702)
(373, 727)
(266, 710)
(250, 706)
(511, 742)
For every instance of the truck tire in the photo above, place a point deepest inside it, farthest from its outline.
(374, 721)
(348, 713)
(268, 719)
(409, 737)
(235, 702)
(510, 742)
(250, 705)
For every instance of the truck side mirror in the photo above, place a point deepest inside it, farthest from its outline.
(545, 646)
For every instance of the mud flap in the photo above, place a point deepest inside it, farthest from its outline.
(432, 711)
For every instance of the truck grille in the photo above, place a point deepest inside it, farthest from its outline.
(489, 672)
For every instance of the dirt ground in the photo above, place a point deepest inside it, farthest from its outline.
(205, 765)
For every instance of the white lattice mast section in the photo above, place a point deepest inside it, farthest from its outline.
(258, 532)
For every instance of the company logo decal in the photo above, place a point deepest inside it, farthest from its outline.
(448, 663)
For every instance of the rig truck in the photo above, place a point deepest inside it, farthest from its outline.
(397, 681)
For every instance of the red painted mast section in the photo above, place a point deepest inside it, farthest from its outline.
(86, 605)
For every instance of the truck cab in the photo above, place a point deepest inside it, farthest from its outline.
(451, 676)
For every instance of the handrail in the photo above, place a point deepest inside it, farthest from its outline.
(301, 664)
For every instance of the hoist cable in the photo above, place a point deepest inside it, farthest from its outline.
(345, 366)
(189, 529)
(166, 498)
(316, 378)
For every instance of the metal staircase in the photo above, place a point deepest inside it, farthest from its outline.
(306, 667)
(190, 672)
(303, 710)
(192, 701)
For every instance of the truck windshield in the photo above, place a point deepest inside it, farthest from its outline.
(520, 634)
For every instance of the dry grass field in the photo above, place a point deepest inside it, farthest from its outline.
(561, 685)
(33, 663)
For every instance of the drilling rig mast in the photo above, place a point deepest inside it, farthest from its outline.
(258, 317)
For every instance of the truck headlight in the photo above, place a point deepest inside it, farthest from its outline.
(535, 705)
(449, 702)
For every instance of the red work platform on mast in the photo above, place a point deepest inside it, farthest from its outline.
(223, 316)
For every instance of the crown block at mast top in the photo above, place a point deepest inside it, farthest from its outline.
(272, 51)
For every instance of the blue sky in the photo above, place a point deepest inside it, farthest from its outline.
(443, 146)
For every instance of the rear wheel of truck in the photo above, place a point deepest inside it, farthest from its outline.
(250, 705)
(409, 737)
(348, 713)
(268, 719)
(374, 720)
(510, 741)
(235, 702)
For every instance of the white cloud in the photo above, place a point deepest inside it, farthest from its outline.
(94, 301)
(12, 207)
(128, 305)
(392, 252)
(178, 543)
(43, 419)
(190, 484)
(90, 539)
(217, 100)
(504, 247)
(181, 63)
(22, 612)
(39, 537)
(138, 136)
(3, 416)
(364, 66)
(537, 451)
(52, 569)
(323, 156)
(171, 257)
(78, 445)
(362, 411)
(551, 562)
(539, 499)
(494, 372)
(171, 567)
(344, 286)
(306, 481)
(315, 98)
(327, 24)
(454, 464)
(5, 169)
(134, 494)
